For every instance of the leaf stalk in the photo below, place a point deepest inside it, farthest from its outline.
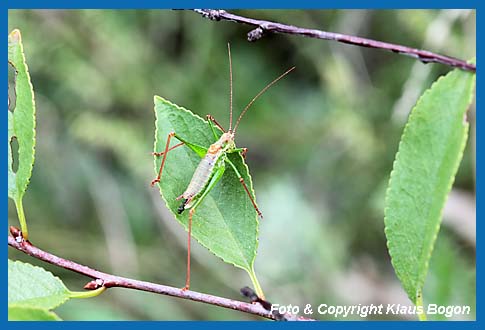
(21, 215)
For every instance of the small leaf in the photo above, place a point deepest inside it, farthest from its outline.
(23, 313)
(32, 286)
(225, 222)
(429, 154)
(21, 126)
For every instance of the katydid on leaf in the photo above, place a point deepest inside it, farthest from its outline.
(213, 164)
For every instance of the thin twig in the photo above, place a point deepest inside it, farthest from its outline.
(263, 27)
(110, 281)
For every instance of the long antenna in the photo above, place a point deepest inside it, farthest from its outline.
(230, 84)
(258, 95)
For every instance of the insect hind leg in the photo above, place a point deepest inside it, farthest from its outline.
(187, 278)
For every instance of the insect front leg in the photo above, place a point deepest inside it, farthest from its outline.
(219, 171)
(241, 179)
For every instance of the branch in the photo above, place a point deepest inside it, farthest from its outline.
(263, 27)
(110, 281)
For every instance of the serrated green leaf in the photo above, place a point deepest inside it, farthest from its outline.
(32, 286)
(23, 313)
(21, 126)
(429, 153)
(22, 123)
(225, 222)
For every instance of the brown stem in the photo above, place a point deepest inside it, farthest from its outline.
(109, 281)
(263, 27)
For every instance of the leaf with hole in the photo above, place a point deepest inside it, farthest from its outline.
(430, 152)
(21, 126)
(225, 222)
(22, 119)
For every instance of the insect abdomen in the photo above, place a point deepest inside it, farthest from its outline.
(201, 176)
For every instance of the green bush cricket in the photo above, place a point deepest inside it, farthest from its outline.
(212, 166)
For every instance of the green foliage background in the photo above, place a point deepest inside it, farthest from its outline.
(321, 145)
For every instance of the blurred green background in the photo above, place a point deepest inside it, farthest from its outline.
(321, 146)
